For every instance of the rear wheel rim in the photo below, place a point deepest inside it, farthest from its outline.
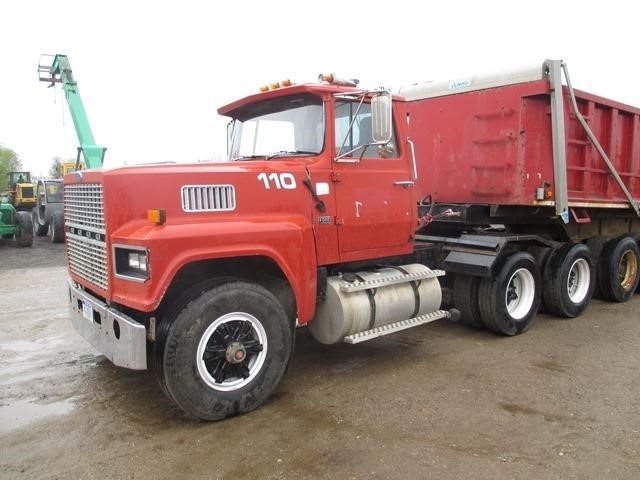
(232, 351)
(628, 269)
(520, 293)
(578, 280)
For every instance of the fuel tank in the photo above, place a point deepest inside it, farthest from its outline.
(393, 294)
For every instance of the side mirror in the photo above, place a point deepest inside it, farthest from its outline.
(381, 117)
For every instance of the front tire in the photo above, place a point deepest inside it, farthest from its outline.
(24, 233)
(226, 351)
(509, 300)
(57, 227)
(38, 229)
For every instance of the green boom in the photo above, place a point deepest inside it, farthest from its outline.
(60, 72)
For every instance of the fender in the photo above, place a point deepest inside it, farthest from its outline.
(286, 239)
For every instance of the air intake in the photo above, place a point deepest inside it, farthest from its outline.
(208, 198)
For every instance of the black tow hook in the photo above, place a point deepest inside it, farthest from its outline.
(453, 315)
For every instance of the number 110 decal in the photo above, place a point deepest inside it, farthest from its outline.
(285, 181)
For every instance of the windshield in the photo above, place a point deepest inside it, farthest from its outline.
(54, 192)
(286, 125)
(19, 177)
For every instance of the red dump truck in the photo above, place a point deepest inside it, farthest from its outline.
(357, 213)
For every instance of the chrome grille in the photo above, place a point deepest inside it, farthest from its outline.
(85, 229)
(208, 198)
(83, 207)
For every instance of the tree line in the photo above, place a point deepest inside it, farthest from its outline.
(11, 162)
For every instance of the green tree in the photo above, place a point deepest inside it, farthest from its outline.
(9, 162)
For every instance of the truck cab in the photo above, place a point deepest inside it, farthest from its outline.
(323, 133)
(319, 183)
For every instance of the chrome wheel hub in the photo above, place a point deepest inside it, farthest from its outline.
(232, 351)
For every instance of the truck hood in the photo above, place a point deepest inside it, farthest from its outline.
(129, 192)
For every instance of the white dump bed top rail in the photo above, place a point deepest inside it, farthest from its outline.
(470, 83)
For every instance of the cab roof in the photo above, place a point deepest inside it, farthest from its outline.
(311, 88)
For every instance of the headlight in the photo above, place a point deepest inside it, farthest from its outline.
(138, 261)
(131, 263)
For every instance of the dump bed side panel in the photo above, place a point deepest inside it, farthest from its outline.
(617, 129)
(494, 146)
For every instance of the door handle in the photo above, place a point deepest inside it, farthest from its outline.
(405, 183)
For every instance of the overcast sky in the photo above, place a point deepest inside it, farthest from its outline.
(152, 75)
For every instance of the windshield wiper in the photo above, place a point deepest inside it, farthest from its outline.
(240, 158)
(283, 153)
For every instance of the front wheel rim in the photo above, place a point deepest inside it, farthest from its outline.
(520, 293)
(232, 351)
(578, 280)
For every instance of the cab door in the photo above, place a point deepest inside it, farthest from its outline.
(376, 210)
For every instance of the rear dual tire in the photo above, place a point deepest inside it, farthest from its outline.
(568, 280)
(509, 300)
(465, 299)
(618, 269)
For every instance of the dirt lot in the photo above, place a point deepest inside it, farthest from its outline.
(439, 401)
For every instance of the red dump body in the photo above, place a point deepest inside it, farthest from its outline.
(494, 146)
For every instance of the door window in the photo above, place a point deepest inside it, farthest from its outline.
(360, 135)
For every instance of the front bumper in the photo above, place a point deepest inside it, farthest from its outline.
(117, 336)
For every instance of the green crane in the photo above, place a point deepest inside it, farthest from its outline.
(59, 71)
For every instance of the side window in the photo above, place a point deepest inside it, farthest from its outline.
(360, 134)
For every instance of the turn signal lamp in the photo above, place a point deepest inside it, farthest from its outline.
(157, 216)
(549, 194)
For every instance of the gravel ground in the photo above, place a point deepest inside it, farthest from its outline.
(440, 401)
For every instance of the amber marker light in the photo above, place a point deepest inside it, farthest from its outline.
(274, 86)
(157, 216)
(264, 88)
(325, 77)
(286, 83)
(549, 194)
